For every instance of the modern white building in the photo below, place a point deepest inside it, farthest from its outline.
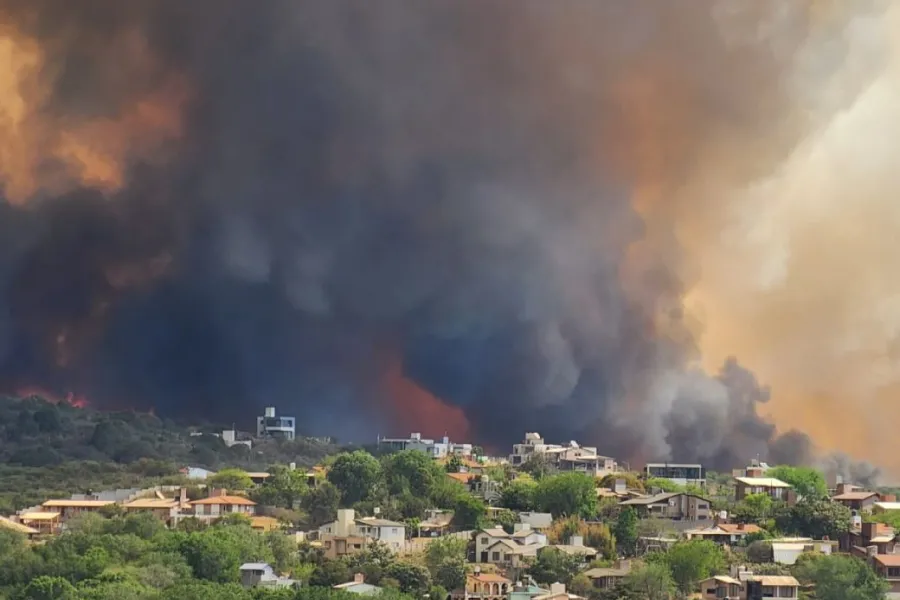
(565, 457)
(679, 473)
(273, 426)
(435, 449)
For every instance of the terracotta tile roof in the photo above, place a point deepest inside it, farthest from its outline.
(225, 500)
(18, 527)
(461, 477)
(39, 516)
(76, 503)
(776, 580)
(855, 496)
(490, 578)
(152, 503)
(887, 560)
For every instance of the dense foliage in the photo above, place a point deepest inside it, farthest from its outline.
(137, 558)
(51, 450)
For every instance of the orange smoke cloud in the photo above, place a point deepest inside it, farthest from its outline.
(417, 409)
(43, 152)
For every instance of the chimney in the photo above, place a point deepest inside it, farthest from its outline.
(557, 588)
(871, 552)
(182, 495)
(844, 488)
(576, 540)
(888, 497)
(345, 519)
(359, 578)
(741, 527)
(217, 492)
(270, 412)
(620, 487)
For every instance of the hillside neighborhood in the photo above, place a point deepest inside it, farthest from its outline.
(546, 522)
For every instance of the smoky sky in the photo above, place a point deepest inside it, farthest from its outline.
(450, 184)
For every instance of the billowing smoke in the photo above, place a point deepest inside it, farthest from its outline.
(482, 216)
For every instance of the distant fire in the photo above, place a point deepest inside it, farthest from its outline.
(70, 398)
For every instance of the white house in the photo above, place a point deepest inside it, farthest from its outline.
(262, 575)
(495, 546)
(435, 449)
(390, 533)
(273, 426)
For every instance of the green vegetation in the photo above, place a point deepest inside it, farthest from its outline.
(49, 450)
(137, 558)
(840, 577)
(806, 481)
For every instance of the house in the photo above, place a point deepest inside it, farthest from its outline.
(196, 473)
(272, 426)
(721, 587)
(677, 506)
(436, 523)
(885, 506)
(72, 508)
(757, 587)
(46, 523)
(888, 566)
(606, 579)
(723, 533)
(785, 551)
(359, 586)
(569, 457)
(220, 504)
(344, 545)
(867, 535)
(576, 547)
(535, 520)
(855, 499)
(262, 575)
(495, 546)
(774, 488)
(483, 586)
(557, 591)
(166, 510)
(264, 524)
(415, 441)
(680, 473)
(258, 477)
(356, 532)
(10, 525)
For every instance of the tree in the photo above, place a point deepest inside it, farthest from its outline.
(754, 508)
(816, 519)
(840, 577)
(567, 494)
(468, 512)
(808, 482)
(285, 488)
(651, 582)
(595, 535)
(632, 481)
(454, 464)
(760, 552)
(505, 519)
(553, 565)
(626, 531)
(321, 503)
(518, 494)
(330, 572)
(49, 588)
(356, 475)
(537, 466)
(231, 479)
(411, 472)
(581, 585)
(414, 579)
(446, 560)
(692, 561)
(663, 485)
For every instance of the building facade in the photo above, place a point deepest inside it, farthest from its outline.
(270, 425)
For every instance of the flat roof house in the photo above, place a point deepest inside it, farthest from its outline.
(774, 488)
(723, 533)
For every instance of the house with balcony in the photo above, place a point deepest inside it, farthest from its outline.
(676, 506)
(72, 508)
(352, 533)
(440, 449)
(726, 534)
(608, 578)
(862, 501)
(219, 504)
(495, 546)
(271, 426)
(888, 566)
(45, 522)
(774, 488)
(255, 575)
(17, 527)
(863, 536)
(483, 586)
(721, 587)
(682, 474)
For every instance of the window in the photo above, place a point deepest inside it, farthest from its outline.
(786, 592)
(393, 530)
(495, 556)
(484, 540)
(893, 572)
(721, 592)
(702, 506)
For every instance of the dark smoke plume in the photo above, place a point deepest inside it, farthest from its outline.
(289, 198)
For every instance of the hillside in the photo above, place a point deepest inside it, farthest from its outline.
(49, 449)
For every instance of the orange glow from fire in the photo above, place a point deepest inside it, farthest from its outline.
(70, 398)
(417, 409)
